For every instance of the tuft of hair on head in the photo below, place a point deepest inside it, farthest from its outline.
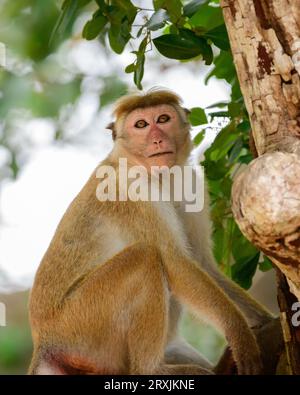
(152, 97)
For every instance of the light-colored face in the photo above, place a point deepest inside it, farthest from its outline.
(152, 136)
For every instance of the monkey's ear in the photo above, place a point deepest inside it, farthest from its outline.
(111, 126)
(187, 111)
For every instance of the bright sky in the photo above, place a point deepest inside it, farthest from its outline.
(32, 206)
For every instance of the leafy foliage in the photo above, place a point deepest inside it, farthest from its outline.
(185, 31)
(177, 29)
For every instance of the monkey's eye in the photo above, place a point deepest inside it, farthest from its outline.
(141, 124)
(163, 118)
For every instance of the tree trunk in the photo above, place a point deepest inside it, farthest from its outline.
(265, 42)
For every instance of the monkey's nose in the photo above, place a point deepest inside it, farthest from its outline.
(157, 141)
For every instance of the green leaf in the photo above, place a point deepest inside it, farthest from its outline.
(119, 36)
(173, 29)
(197, 116)
(236, 93)
(234, 109)
(173, 7)
(83, 3)
(121, 15)
(244, 270)
(93, 27)
(130, 68)
(219, 104)
(126, 8)
(218, 244)
(157, 20)
(221, 188)
(199, 137)
(265, 265)
(192, 7)
(67, 16)
(235, 150)
(214, 188)
(222, 144)
(101, 3)
(179, 47)
(69, 8)
(225, 185)
(222, 236)
(244, 126)
(242, 249)
(215, 170)
(207, 53)
(139, 65)
(206, 50)
(219, 37)
(219, 114)
(175, 47)
(207, 17)
(224, 67)
(139, 72)
(157, 4)
(246, 159)
(246, 258)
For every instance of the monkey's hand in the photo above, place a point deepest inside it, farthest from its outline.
(245, 350)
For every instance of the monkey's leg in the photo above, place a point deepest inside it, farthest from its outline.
(114, 321)
(147, 334)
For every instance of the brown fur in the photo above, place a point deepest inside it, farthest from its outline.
(127, 104)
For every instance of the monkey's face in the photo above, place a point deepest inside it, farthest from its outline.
(153, 136)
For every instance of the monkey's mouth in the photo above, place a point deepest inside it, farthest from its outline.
(161, 154)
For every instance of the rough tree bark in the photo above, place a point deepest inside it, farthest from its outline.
(265, 42)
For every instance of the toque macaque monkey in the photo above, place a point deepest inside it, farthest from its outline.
(107, 296)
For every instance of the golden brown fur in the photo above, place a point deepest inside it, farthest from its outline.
(107, 296)
(127, 104)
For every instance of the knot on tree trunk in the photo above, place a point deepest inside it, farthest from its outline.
(266, 205)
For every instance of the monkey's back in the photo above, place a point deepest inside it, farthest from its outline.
(77, 246)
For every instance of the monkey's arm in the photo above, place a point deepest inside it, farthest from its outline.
(197, 290)
(199, 231)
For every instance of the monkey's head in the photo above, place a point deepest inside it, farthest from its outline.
(151, 129)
